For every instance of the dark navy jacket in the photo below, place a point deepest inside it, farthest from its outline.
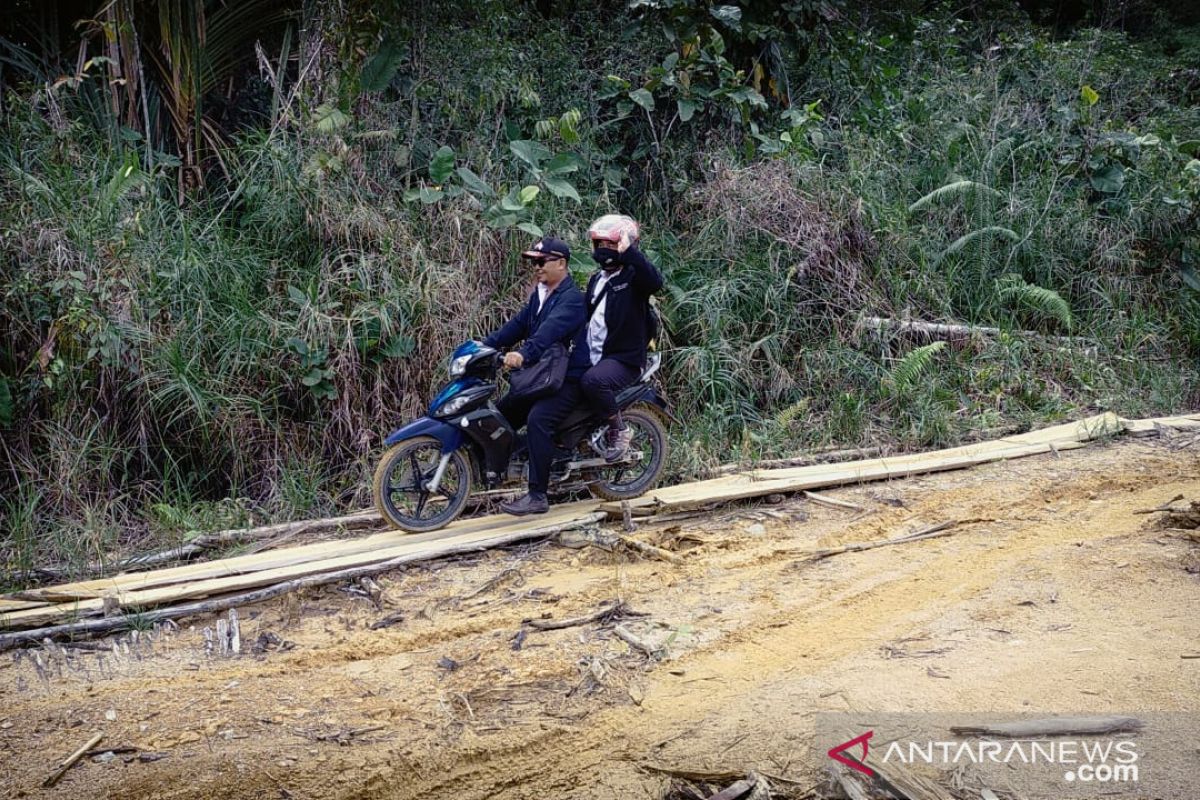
(560, 318)
(625, 313)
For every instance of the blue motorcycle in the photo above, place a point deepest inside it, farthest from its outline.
(425, 478)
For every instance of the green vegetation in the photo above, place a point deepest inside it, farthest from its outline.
(240, 239)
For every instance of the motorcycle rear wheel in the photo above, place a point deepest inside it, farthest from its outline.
(621, 482)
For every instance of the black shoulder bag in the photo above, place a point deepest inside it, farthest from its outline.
(542, 378)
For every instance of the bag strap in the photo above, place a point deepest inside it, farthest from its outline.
(594, 304)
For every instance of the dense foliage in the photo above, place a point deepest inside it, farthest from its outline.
(239, 240)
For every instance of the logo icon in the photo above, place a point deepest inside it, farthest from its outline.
(838, 754)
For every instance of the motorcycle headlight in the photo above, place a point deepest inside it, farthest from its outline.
(453, 405)
(458, 366)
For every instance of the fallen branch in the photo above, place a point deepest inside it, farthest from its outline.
(1055, 726)
(832, 502)
(70, 761)
(650, 550)
(344, 737)
(1164, 507)
(695, 775)
(16, 638)
(931, 532)
(390, 619)
(616, 611)
(627, 636)
(937, 330)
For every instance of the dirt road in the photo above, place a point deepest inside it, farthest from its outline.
(1050, 596)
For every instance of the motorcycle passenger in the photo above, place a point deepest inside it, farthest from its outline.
(555, 313)
(610, 352)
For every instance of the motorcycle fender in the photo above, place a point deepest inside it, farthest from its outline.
(447, 434)
(647, 394)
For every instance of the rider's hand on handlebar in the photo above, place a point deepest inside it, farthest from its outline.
(514, 360)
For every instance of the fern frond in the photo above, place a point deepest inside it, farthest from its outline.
(963, 241)
(915, 363)
(1040, 300)
(951, 190)
(795, 411)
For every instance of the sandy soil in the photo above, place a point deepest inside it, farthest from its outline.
(1050, 596)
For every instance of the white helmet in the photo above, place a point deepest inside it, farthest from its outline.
(612, 227)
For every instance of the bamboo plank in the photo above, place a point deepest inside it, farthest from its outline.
(1143, 426)
(7, 605)
(228, 601)
(511, 529)
(274, 559)
(747, 485)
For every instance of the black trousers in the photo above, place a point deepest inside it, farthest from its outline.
(602, 382)
(598, 386)
(541, 417)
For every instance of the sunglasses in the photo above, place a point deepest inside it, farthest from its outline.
(540, 260)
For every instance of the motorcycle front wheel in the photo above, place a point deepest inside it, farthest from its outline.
(401, 485)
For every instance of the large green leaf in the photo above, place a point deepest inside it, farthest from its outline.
(378, 72)
(560, 188)
(429, 195)
(730, 15)
(563, 163)
(474, 183)
(512, 201)
(329, 118)
(442, 164)
(643, 98)
(531, 229)
(686, 109)
(1089, 95)
(1109, 180)
(531, 152)
(528, 194)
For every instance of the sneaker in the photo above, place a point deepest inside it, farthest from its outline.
(529, 504)
(618, 440)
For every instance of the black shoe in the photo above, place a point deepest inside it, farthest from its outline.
(529, 504)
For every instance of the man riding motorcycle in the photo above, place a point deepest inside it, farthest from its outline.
(555, 313)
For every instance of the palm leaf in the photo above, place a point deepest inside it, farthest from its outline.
(908, 370)
(952, 190)
(1037, 299)
(963, 241)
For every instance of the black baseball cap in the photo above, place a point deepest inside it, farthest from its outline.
(548, 246)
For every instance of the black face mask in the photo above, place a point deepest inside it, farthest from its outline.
(606, 257)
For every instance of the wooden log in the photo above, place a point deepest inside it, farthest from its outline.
(650, 550)
(636, 642)
(931, 532)
(953, 331)
(832, 502)
(70, 761)
(17, 638)
(829, 457)
(1053, 726)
